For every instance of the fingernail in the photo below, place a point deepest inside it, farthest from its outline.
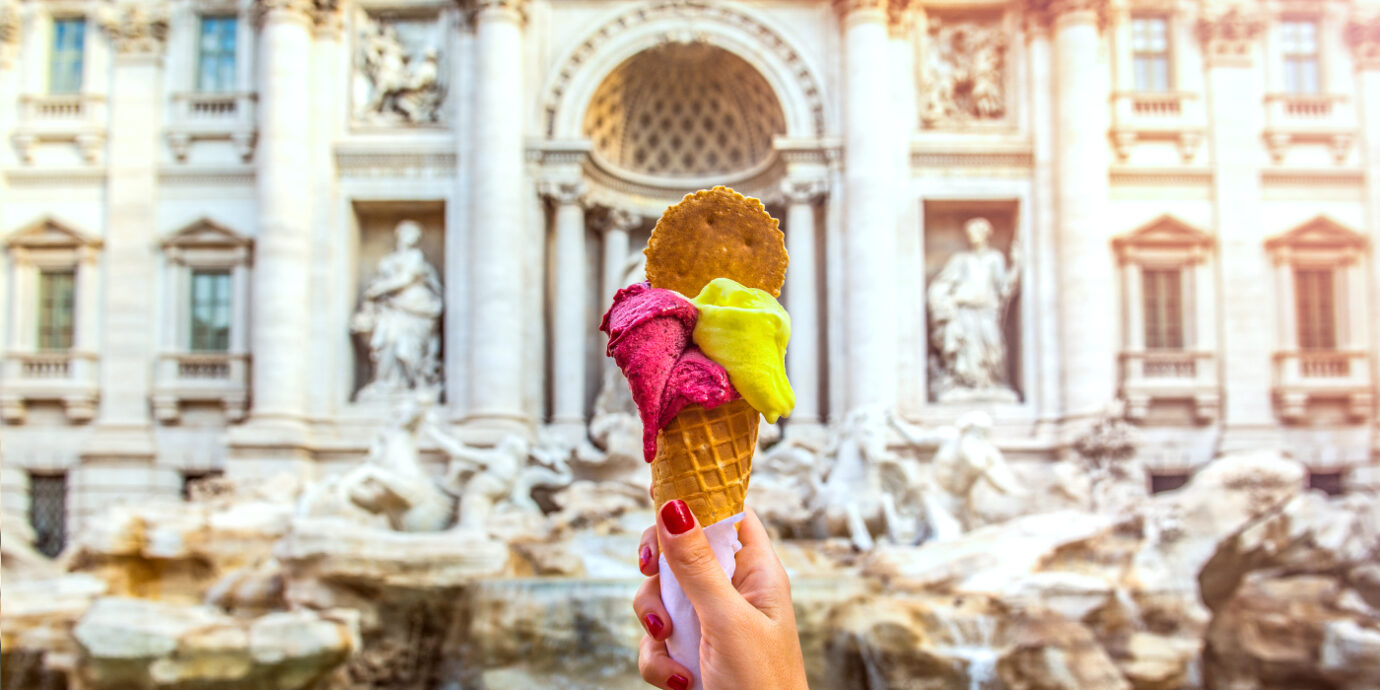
(677, 516)
(644, 558)
(678, 682)
(654, 624)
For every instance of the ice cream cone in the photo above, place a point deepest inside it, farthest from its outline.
(704, 457)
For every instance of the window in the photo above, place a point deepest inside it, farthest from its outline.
(1162, 289)
(48, 512)
(216, 55)
(210, 327)
(1299, 45)
(65, 61)
(56, 305)
(1150, 53)
(1315, 302)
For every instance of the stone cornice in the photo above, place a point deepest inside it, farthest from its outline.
(1363, 33)
(1229, 35)
(137, 28)
(564, 192)
(297, 10)
(803, 190)
(328, 19)
(898, 14)
(1042, 13)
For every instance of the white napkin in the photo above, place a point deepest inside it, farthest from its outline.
(684, 642)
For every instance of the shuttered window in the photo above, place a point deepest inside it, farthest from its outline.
(1162, 289)
(1315, 299)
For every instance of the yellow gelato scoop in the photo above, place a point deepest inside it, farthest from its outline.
(745, 331)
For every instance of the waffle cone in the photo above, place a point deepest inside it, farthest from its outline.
(704, 457)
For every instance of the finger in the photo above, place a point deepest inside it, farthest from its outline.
(651, 612)
(658, 668)
(759, 570)
(648, 552)
(692, 561)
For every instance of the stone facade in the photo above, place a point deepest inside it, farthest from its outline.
(1197, 242)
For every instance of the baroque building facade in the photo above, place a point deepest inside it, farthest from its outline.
(199, 198)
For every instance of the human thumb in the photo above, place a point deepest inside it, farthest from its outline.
(693, 562)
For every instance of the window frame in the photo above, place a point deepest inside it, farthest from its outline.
(1182, 329)
(221, 301)
(1137, 55)
(79, 50)
(44, 536)
(1288, 57)
(232, 84)
(1322, 306)
(45, 309)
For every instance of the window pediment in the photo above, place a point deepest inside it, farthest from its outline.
(1164, 235)
(50, 233)
(1321, 234)
(206, 234)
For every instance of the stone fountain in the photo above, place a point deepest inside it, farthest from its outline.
(920, 558)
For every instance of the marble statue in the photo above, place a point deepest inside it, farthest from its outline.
(400, 318)
(402, 87)
(501, 479)
(864, 483)
(967, 303)
(964, 77)
(390, 483)
(786, 481)
(966, 456)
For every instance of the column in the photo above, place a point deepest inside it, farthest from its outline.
(326, 259)
(869, 232)
(570, 324)
(1043, 277)
(616, 253)
(281, 316)
(802, 297)
(128, 336)
(1086, 267)
(1364, 36)
(9, 108)
(1234, 118)
(496, 229)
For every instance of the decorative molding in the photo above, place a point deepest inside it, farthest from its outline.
(1312, 178)
(1159, 177)
(137, 28)
(1319, 233)
(1363, 33)
(930, 158)
(293, 10)
(392, 163)
(56, 177)
(205, 233)
(1042, 13)
(513, 10)
(1164, 232)
(189, 177)
(48, 233)
(682, 12)
(9, 32)
(1228, 36)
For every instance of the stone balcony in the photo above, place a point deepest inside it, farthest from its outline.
(1150, 375)
(1176, 116)
(1309, 118)
(206, 377)
(228, 116)
(68, 377)
(78, 118)
(1304, 376)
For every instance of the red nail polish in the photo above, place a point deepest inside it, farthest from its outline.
(677, 516)
(654, 624)
(644, 559)
(678, 682)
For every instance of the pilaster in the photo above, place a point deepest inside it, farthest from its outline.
(802, 193)
(1230, 44)
(137, 32)
(1043, 278)
(1363, 33)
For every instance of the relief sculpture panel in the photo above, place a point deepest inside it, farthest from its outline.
(398, 76)
(964, 73)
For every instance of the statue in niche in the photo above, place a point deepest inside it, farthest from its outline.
(964, 74)
(399, 317)
(967, 303)
(401, 86)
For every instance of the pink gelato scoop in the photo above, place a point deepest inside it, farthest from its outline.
(649, 338)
